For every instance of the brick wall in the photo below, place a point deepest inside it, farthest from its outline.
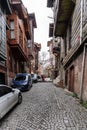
(77, 76)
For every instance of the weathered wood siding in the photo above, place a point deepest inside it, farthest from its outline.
(2, 35)
(76, 22)
(76, 18)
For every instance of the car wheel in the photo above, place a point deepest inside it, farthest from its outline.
(19, 99)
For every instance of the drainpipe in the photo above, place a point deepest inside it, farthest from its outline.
(82, 75)
(81, 84)
(81, 22)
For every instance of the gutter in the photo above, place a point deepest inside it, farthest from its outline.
(84, 52)
(81, 22)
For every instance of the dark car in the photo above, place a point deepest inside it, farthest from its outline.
(22, 81)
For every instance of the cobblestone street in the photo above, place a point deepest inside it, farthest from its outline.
(46, 107)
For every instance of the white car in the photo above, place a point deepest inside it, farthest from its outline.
(8, 98)
(34, 78)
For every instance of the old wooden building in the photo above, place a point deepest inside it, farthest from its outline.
(16, 39)
(70, 24)
(5, 9)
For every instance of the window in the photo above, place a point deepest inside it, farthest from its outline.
(20, 78)
(29, 43)
(2, 34)
(4, 90)
(12, 29)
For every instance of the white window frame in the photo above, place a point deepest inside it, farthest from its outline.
(12, 31)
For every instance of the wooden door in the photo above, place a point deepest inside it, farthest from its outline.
(71, 79)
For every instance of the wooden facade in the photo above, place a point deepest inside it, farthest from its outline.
(32, 21)
(70, 23)
(17, 37)
(16, 40)
(5, 9)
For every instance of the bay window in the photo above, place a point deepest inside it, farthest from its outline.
(12, 29)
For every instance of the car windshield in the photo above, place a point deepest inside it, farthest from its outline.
(21, 77)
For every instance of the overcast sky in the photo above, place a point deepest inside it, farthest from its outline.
(39, 7)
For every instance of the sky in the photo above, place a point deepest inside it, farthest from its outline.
(42, 13)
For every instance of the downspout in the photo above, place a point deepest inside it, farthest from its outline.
(83, 62)
(81, 22)
(82, 74)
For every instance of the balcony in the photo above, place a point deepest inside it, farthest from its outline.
(19, 49)
(19, 53)
(63, 10)
(17, 5)
(27, 28)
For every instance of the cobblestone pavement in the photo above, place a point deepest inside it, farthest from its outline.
(46, 107)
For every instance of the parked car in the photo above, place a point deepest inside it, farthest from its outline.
(8, 98)
(22, 81)
(34, 78)
(39, 78)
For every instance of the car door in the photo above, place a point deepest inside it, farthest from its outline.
(3, 106)
(7, 100)
(3, 102)
(12, 98)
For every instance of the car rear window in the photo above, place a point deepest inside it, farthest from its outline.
(19, 78)
(4, 90)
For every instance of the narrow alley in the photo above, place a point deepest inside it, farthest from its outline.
(46, 107)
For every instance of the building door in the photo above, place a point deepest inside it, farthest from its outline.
(71, 79)
(2, 78)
